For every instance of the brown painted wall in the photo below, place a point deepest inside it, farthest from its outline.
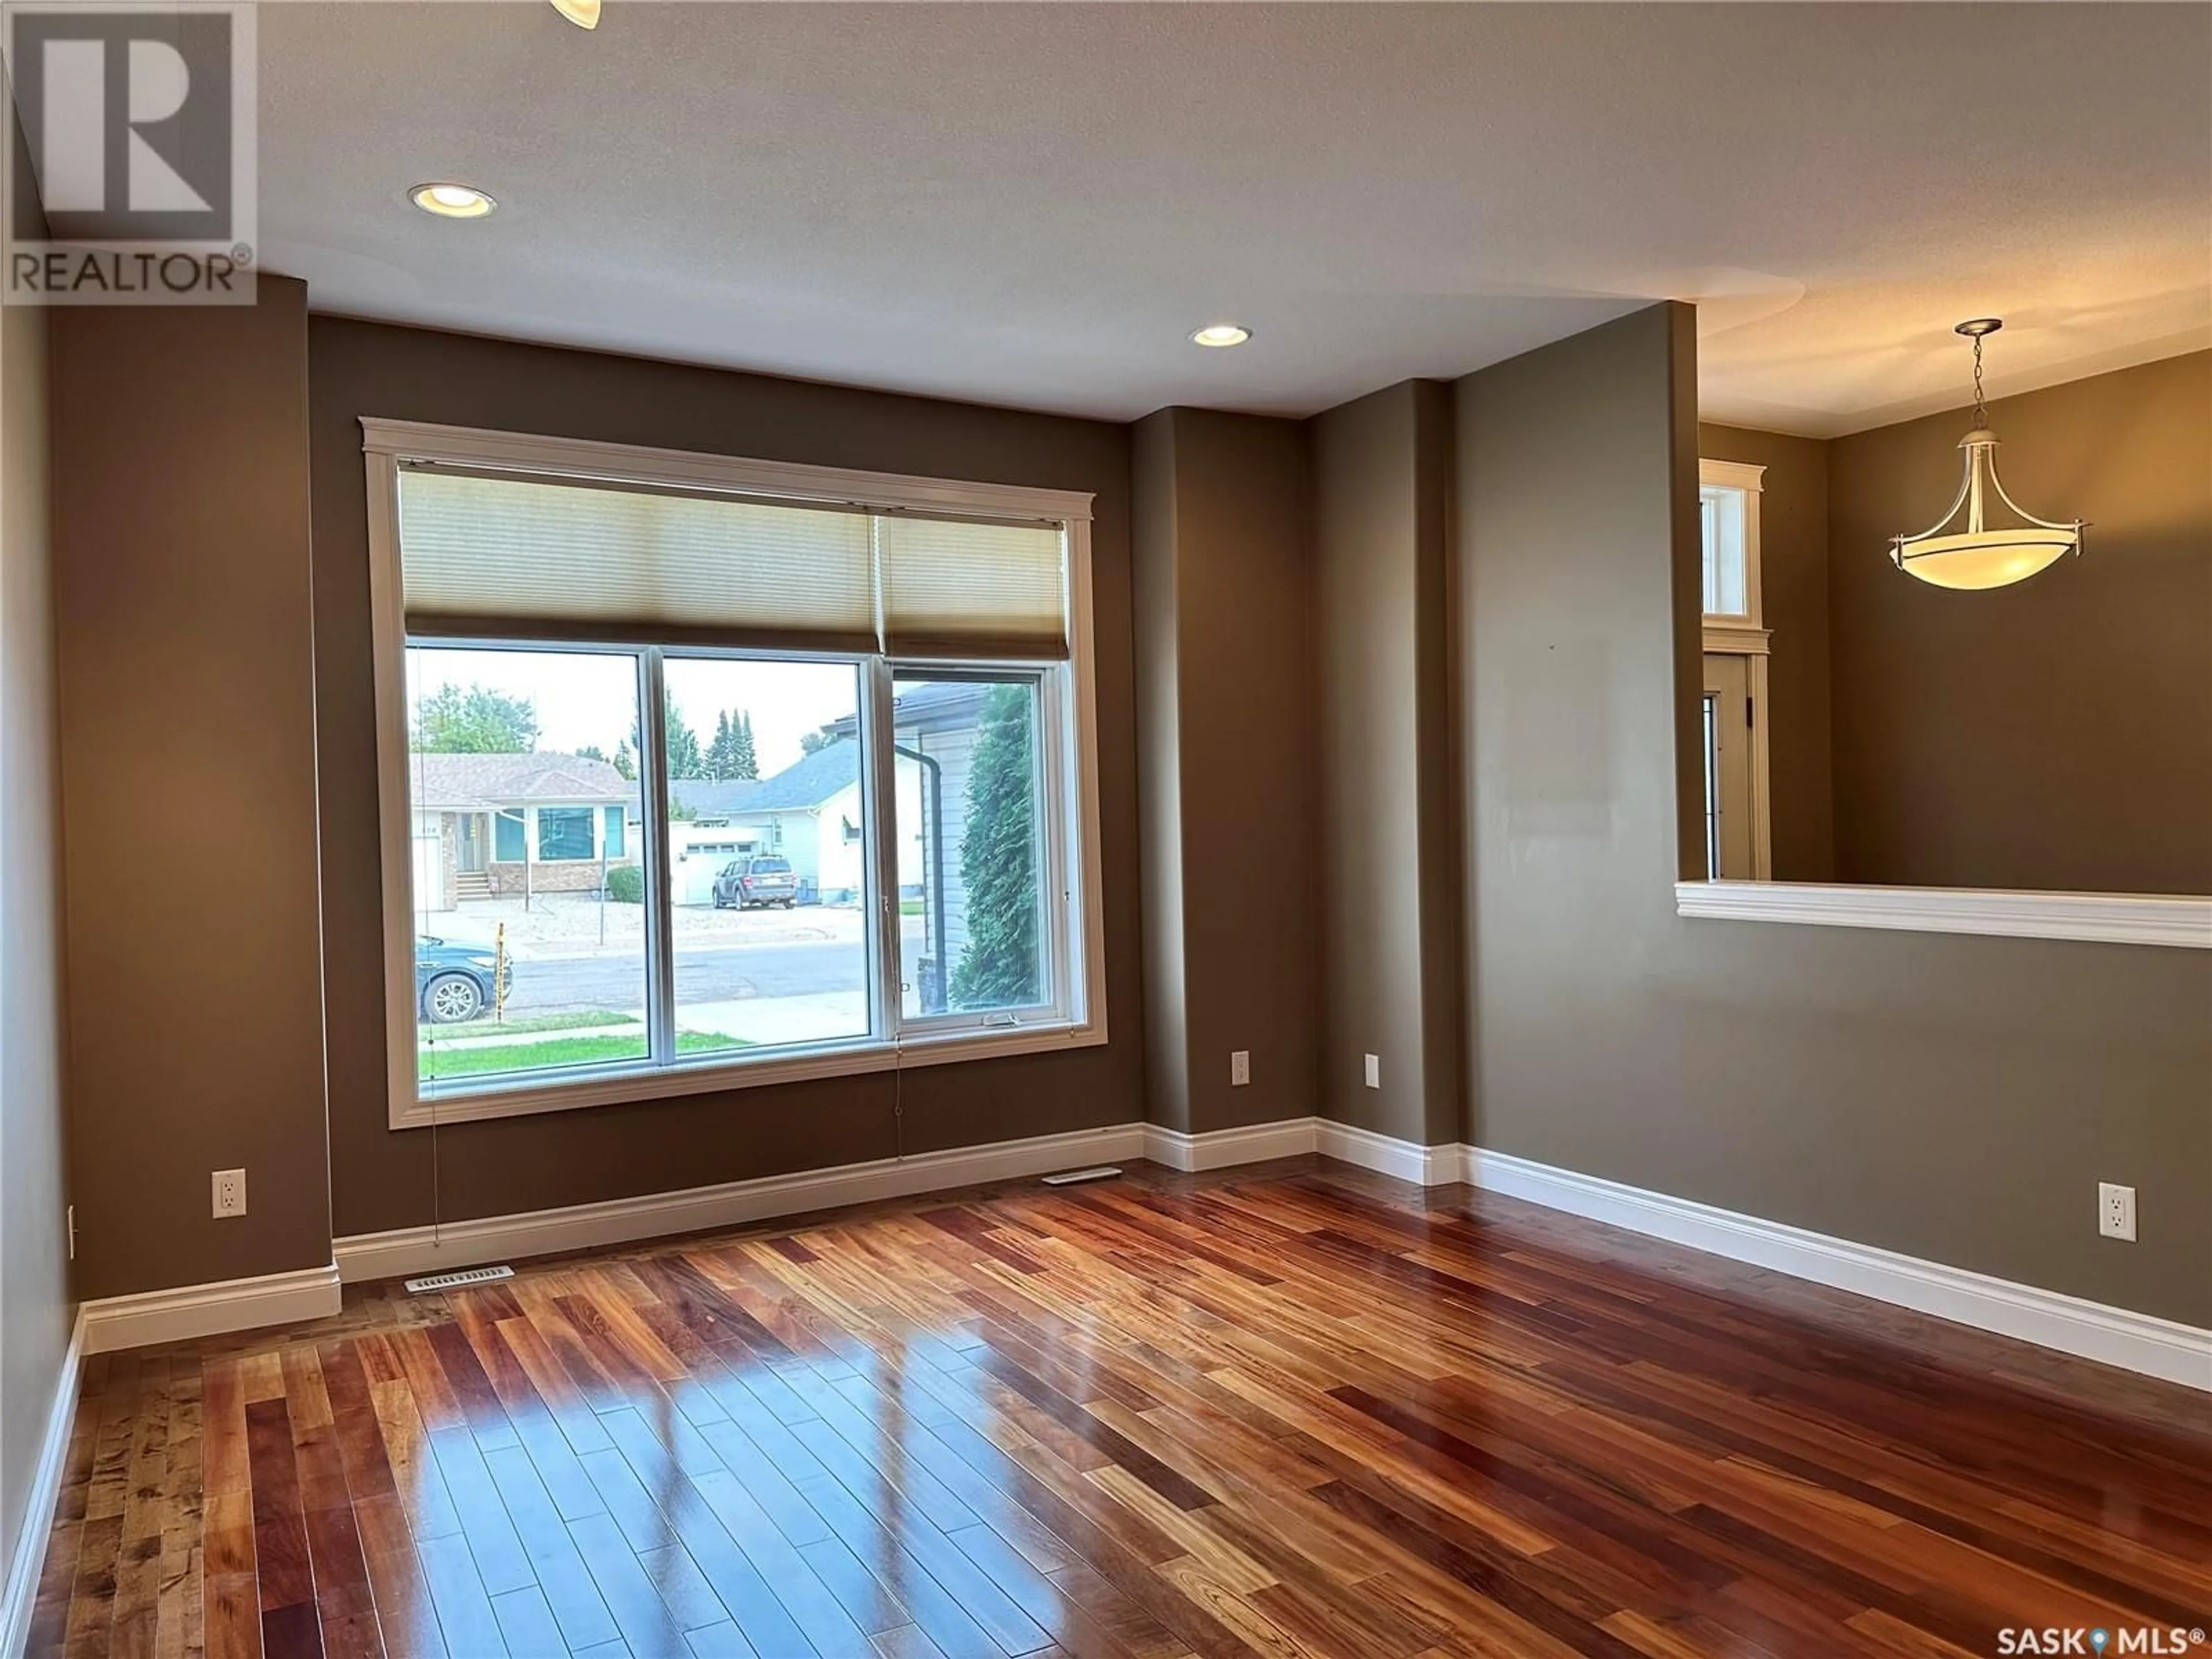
(36, 1309)
(1159, 657)
(184, 613)
(1224, 583)
(2053, 734)
(1388, 895)
(1793, 534)
(1955, 1099)
(384, 1179)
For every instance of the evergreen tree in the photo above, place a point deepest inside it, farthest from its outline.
(744, 759)
(590, 752)
(625, 763)
(680, 744)
(814, 743)
(998, 860)
(720, 758)
(475, 722)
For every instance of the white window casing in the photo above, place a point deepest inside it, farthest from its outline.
(933, 617)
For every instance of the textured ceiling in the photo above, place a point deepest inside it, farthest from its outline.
(1034, 203)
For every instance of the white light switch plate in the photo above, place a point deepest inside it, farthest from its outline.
(1374, 1071)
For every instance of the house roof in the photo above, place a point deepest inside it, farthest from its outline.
(808, 781)
(709, 798)
(482, 783)
(932, 703)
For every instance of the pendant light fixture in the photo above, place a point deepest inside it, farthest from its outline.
(584, 14)
(1978, 555)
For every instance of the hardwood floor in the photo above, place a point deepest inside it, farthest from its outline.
(1291, 1410)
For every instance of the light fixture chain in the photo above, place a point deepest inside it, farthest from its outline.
(1981, 408)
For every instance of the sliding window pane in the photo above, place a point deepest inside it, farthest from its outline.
(529, 954)
(768, 866)
(971, 845)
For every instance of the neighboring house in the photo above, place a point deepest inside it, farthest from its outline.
(710, 802)
(810, 813)
(504, 825)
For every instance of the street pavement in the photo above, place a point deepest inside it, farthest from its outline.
(720, 974)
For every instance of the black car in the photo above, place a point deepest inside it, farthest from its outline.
(758, 881)
(454, 983)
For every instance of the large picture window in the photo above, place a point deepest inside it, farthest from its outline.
(701, 773)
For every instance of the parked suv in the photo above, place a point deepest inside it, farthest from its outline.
(752, 883)
(454, 983)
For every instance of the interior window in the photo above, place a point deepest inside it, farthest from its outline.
(807, 793)
(525, 967)
(769, 952)
(971, 844)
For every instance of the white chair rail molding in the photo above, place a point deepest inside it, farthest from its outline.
(2175, 920)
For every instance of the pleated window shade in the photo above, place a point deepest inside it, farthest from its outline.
(956, 588)
(500, 555)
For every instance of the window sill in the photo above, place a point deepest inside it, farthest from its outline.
(852, 1060)
(2181, 921)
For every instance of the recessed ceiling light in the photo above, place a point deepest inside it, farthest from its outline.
(584, 14)
(450, 201)
(1221, 334)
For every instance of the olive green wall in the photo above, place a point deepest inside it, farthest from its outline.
(383, 1178)
(1793, 533)
(186, 648)
(1223, 648)
(2053, 734)
(1955, 1099)
(36, 1307)
(1388, 896)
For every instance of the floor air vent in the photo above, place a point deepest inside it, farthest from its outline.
(455, 1281)
(1073, 1177)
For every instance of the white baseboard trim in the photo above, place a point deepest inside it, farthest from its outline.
(2113, 1336)
(410, 1251)
(1424, 1166)
(1217, 1149)
(29, 1555)
(191, 1310)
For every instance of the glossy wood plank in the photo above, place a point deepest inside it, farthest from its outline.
(1293, 1411)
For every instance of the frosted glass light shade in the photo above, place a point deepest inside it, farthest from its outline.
(584, 14)
(1985, 558)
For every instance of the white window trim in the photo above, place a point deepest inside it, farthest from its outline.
(1751, 481)
(1080, 1020)
(1747, 637)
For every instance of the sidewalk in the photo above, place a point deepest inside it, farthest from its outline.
(810, 1016)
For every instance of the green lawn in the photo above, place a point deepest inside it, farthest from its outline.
(489, 1027)
(471, 1059)
(909, 906)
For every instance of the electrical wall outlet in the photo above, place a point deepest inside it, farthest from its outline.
(1374, 1071)
(2116, 1211)
(229, 1194)
(1240, 1068)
